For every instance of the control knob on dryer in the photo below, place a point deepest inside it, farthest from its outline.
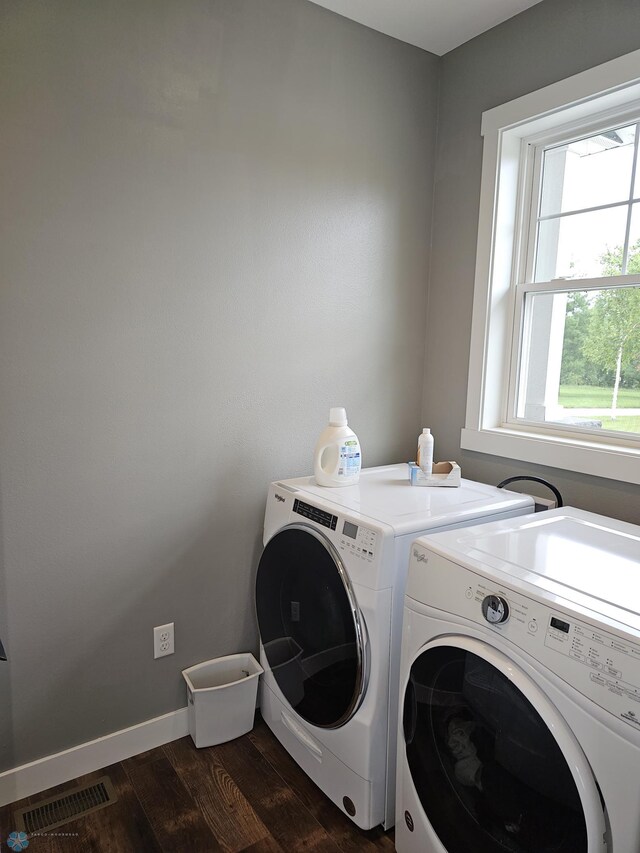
(495, 609)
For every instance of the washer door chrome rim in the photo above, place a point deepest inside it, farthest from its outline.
(290, 628)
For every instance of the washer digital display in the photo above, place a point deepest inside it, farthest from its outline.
(350, 530)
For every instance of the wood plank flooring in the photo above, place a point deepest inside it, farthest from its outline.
(247, 795)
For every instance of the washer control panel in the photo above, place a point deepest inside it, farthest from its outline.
(320, 516)
(356, 540)
(600, 664)
(351, 538)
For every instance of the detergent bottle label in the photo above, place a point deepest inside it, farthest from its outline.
(349, 464)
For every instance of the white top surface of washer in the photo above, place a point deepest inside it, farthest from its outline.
(385, 495)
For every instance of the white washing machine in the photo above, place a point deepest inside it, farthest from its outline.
(520, 689)
(329, 594)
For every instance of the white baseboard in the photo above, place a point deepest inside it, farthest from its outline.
(56, 769)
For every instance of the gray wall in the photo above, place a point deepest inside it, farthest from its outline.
(550, 41)
(215, 225)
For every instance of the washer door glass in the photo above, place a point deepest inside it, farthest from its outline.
(489, 773)
(310, 626)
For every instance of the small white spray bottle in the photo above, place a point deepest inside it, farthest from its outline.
(425, 451)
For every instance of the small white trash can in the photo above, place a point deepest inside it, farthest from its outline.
(222, 698)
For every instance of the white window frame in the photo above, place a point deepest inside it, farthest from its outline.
(608, 91)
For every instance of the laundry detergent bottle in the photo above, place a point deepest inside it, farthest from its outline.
(337, 459)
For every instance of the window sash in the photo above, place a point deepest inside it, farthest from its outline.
(540, 149)
(519, 351)
(526, 236)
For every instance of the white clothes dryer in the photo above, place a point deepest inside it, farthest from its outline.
(329, 596)
(519, 721)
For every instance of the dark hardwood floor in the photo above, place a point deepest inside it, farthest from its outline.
(246, 795)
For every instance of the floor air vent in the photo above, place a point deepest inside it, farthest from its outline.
(56, 811)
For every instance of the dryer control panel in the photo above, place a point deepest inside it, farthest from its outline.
(599, 662)
(613, 663)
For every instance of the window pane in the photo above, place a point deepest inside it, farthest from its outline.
(580, 359)
(588, 173)
(578, 246)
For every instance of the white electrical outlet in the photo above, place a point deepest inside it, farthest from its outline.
(163, 643)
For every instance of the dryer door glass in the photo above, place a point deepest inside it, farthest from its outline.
(310, 627)
(487, 769)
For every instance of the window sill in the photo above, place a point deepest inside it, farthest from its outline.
(586, 457)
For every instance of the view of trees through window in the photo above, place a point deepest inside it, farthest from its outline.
(583, 358)
(601, 351)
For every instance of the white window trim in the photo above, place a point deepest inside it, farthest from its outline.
(609, 88)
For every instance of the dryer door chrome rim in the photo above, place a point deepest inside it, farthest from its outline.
(494, 764)
(311, 629)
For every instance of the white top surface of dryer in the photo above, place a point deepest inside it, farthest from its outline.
(385, 495)
(577, 555)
